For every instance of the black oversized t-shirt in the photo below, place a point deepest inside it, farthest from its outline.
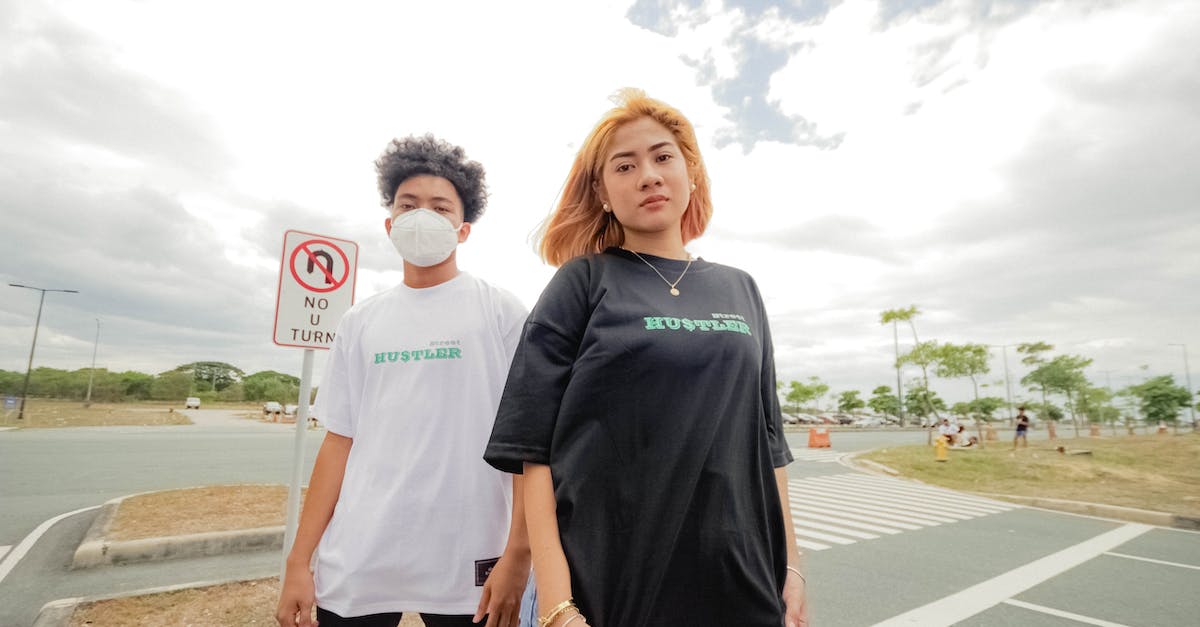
(658, 417)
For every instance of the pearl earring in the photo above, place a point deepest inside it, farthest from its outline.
(693, 187)
(605, 207)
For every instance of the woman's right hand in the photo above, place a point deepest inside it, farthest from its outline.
(298, 597)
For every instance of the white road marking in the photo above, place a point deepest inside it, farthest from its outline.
(822, 455)
(975, 599)
(1153, 561)
(4, 550)
(936, 494)
(844, 509)
(871, 504)
(10, 559)
(882, 494)
(1063, 614)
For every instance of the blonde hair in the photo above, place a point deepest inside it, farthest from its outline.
(578, 225)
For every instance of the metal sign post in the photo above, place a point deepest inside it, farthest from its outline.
(316, 286)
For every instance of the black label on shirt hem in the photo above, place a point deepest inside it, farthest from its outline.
(483, 568)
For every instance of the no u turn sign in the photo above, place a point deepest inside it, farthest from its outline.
(316, 286)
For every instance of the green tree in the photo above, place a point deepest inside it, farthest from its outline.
(882, 401)
(849, 401)
(269, 385)
(1063, 375)
(964, 360)
(1033, 358)
(923, 354)
(895, 317)
(171, 385)
(136, 385)
(921, 401)
(800, 394)
(212, 376)
(1160, 398)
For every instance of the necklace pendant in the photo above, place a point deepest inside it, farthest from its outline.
(674, 292)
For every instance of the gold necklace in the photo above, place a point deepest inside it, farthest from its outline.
(674, 290)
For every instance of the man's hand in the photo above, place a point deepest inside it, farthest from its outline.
(297, 598)
(502, 592)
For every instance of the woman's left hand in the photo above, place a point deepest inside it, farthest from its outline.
(795, 598)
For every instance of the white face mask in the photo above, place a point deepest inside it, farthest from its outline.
(423, 238)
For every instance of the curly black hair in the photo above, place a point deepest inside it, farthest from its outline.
(411, 156)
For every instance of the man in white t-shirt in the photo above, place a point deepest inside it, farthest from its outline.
(403, 513)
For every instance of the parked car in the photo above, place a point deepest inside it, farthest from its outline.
(290, 410)
(192, 402)
(868, 421)
(271, 407)
(789, 419)
(843, 419)
(808, 419)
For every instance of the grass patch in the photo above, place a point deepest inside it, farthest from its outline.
(197, 510)
(1155, 472)
(52, 413)
(232, 604)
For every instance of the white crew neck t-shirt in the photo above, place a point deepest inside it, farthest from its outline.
(414, 377)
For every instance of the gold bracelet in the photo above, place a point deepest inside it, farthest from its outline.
(573, 617)
(554, 613)
(798, 574)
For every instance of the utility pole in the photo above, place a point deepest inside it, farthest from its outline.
(92, 373)
(37, 323)
(1187, 373)
(1007, 384)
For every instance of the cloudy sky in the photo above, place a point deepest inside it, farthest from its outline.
(1020, 170)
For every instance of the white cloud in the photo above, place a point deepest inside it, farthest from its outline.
(1021, 174)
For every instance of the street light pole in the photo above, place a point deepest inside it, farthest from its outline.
(37, 323)
(1187, 373)
(92, 373)
(1007, 386)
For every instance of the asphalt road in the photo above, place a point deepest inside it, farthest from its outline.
(879, 549)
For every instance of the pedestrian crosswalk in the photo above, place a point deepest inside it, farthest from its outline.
(816, 455)
(853, 507)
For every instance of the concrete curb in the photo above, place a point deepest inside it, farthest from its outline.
(97, 550)
(1118, 512)
(58, 613)
(1100, 510)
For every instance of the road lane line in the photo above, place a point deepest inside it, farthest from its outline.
(843, 522)
(802, 531)
(812, 546)
(1062, 614)
(4, 551)
(843, 517)
(979, 597)
(800, 519)
(10, 560)
(945, 496)
(844, 505)
(912, 502)
(1153, 561)
(875, 502)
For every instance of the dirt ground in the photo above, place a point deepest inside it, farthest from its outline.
(209, 508)
(50, 414)
(227, 605)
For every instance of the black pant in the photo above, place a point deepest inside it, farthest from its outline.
(390, 619)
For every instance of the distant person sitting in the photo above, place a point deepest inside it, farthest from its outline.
(1022, 428)
(947, 430)
(962, 439)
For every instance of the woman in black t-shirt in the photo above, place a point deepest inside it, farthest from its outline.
(641, 403)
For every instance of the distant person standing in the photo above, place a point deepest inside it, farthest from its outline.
(1022, 428)
(402, 512)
